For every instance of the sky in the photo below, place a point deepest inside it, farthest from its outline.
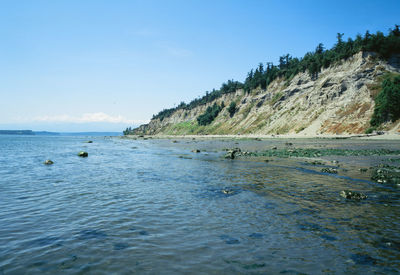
(106, 65)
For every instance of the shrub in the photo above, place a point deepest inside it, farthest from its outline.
(232, 109)
(370, 130)
(209, 115)
(387, 102)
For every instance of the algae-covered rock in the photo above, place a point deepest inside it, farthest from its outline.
(48, 162)
(347, 194)
(83, 154)
(232, 153)
(329, 170)
(386, 174)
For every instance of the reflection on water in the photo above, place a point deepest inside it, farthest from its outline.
(138, 207)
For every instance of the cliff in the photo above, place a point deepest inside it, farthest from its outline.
(339, 100)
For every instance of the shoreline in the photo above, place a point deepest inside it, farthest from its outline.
(386, 136)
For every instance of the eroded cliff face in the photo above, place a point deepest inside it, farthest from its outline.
(338, 101)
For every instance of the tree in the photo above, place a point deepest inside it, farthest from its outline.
(319, 49)
(387, 103)
(209, 115)
(232, 109)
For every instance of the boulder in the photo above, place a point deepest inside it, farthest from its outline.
(48, 162)
(89, 141)
(83, 154)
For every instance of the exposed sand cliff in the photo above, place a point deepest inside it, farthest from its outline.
(338, 101)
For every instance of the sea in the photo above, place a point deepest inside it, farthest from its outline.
(155, 207)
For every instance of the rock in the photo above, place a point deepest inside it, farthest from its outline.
(48, 162)
(228, 191)
(89, 141)
(196, 151)
(329, 170)
(288, 144)
(174, 141)
(232, 153)
(316, 162)
(83, 154)
(347, 194)
(386, 174)
(274, 148)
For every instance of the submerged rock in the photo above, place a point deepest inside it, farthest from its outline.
(329, 170)
(48, 162)
(347, 194)
(83, 154)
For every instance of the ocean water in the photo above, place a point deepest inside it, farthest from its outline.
(153, 207)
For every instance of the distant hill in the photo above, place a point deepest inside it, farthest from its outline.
(17, 132)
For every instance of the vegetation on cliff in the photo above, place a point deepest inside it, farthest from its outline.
(387, 102)
(209, 115)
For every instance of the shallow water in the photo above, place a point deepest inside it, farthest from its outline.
(154, 207)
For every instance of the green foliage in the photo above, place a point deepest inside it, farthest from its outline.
(232, 109)
(387, 102)
(276, 97)
(312, 62)
(209, 115)
(127, 131)
(230, 86)
(370, 130)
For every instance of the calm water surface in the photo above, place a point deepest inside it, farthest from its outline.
(150, 207)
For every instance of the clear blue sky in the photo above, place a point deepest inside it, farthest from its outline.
(104, 65)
